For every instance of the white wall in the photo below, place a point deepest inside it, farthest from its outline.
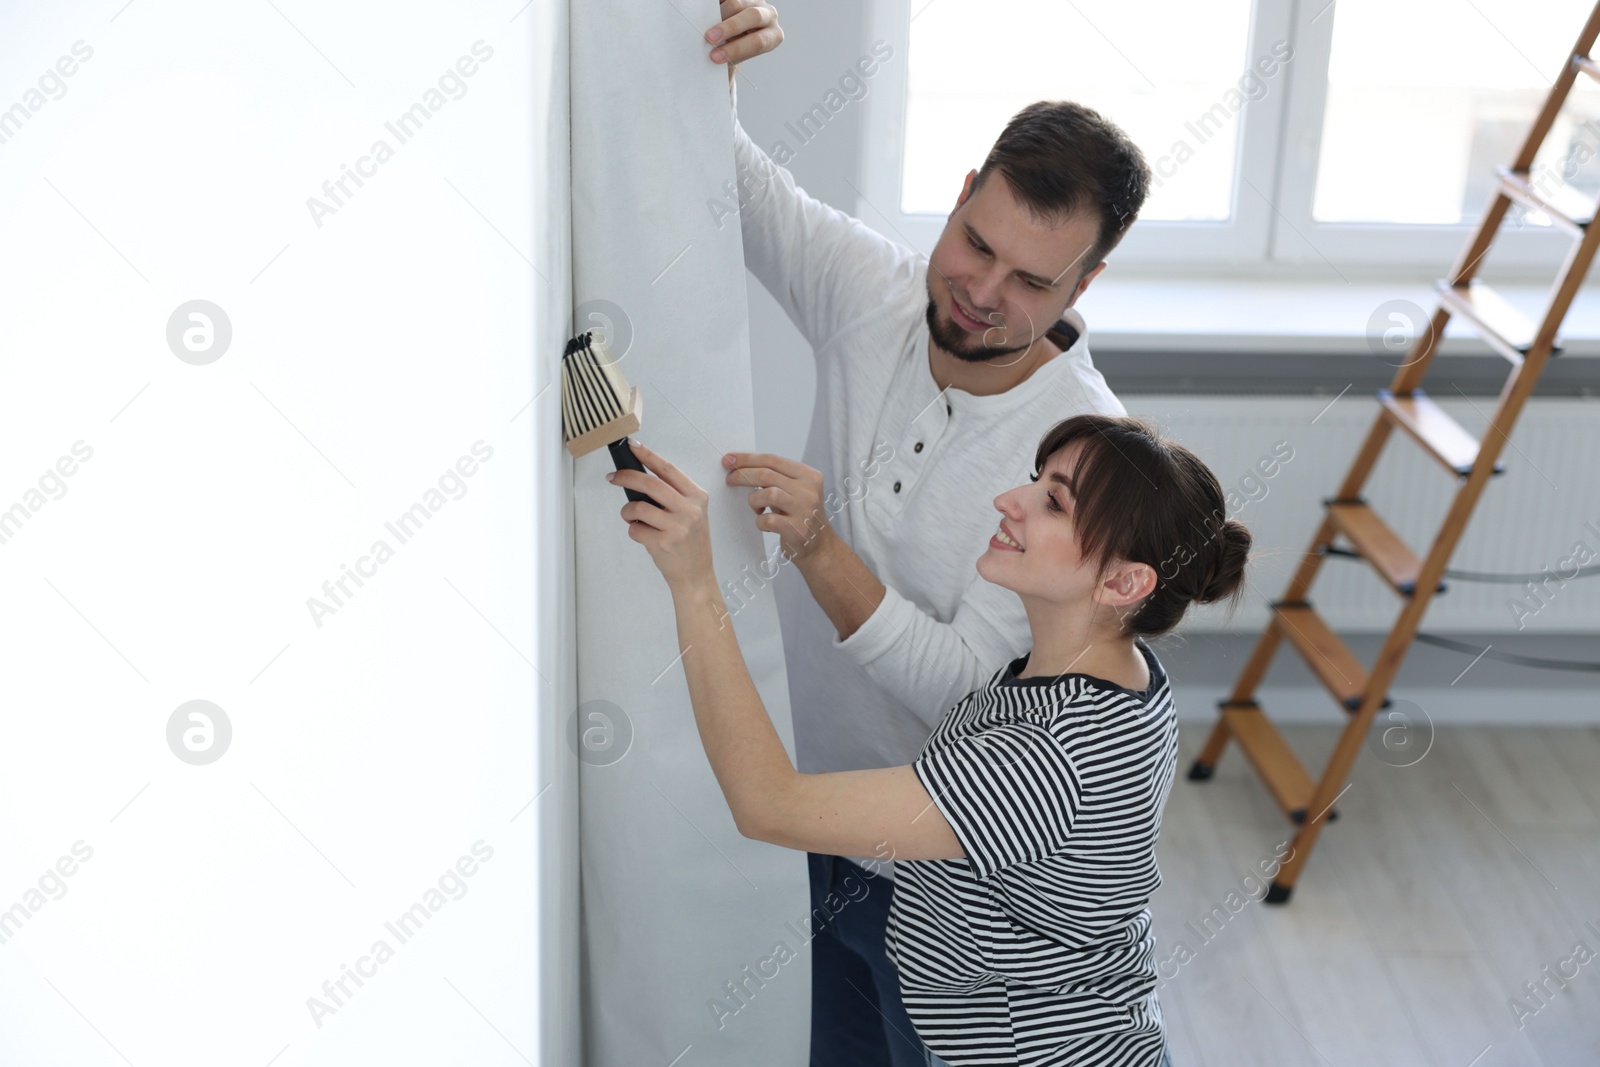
(556, 899)
(371, 749)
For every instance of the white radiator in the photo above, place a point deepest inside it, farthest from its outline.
(1542, 515)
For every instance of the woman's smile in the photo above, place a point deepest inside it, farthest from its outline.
(1004, 541)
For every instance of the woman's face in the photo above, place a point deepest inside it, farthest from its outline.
(1042, 559)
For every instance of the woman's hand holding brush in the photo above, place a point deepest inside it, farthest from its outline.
(677, 534)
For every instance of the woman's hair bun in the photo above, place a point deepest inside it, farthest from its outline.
(1227, 575)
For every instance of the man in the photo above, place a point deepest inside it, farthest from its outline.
(936, 377)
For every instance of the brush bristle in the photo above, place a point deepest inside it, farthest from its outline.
(593, 391)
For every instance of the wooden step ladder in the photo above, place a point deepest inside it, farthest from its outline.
(1308, 802)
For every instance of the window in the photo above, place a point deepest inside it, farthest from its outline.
(1459, 107)
(961, 89)
(1323, 139)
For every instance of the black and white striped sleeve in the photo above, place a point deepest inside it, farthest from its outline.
(1011, 794)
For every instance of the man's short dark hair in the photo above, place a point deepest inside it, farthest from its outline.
(1063, 159)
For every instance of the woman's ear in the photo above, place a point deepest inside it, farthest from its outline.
(1127, 583)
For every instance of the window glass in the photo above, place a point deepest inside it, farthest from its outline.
(1424, 102)
(1179, 93)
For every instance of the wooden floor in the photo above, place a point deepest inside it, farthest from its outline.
(1442, 888)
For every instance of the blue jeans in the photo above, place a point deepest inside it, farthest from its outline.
(857, 1019)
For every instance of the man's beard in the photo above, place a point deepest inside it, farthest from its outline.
(964, 346)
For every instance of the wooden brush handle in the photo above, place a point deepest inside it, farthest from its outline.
(622, 455)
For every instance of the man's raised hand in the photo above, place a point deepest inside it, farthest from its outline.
(748, 28)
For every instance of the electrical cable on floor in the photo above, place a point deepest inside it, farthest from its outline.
(1509, 657)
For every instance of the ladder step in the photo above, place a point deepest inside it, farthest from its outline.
(1507, 330)
(1378, 545)
(1327, 656)
(1285, 777)
(1587, 66)
(1440, 436)
(1567, 207)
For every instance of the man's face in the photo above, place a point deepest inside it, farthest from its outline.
(1011, 274)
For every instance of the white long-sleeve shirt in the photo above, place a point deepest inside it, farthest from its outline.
(910, 476)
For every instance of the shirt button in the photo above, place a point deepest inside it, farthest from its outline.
(918, 448)
(897, 487)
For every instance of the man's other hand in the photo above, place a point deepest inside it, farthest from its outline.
(787, 499)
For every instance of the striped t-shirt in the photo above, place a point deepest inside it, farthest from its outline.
(1036, 948)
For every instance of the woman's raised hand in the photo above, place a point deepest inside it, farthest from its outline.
(677, 534)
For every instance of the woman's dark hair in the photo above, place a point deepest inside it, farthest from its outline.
(1063, 159)
(1141, 498)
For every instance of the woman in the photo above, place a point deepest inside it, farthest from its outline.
(1024, 835)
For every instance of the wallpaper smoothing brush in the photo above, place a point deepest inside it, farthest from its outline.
(598, 407)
